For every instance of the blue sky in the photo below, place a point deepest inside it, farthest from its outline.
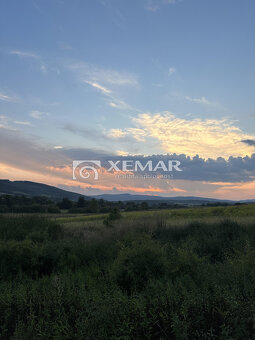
(129, 77)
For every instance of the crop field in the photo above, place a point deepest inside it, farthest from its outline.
(165, 274)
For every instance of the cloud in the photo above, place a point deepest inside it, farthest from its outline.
(119, 104)
(201, 100)
(24, 54)
(117, 133)
(107, 81)
(99, 87)
(171, 71)
(23, 158)
(197, 100)
(22, 123)
(207, 138)
(38, 114)
(6, 98)
(112, 100)
(91, 73)
(3, 122)
(249, 142)
(137, 134)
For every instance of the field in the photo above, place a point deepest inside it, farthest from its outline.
(169, 274)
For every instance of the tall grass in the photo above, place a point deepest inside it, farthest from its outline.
(146, 277)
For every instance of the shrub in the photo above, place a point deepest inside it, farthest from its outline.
(138, 263)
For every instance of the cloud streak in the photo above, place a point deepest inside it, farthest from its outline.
(6, 98)
(108, 82)
(101, 88)
(24, 54)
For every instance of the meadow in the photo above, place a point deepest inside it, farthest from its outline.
(168, 274)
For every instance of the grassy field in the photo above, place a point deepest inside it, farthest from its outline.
(170, 274)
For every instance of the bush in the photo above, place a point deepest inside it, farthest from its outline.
(137, 264)
(113, 216)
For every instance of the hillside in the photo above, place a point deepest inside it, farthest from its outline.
(28, 188)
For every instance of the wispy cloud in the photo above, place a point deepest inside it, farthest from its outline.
(120, 104)
(201, 100)
(107, 82)
(7, 98)
(87, 72)
(36, 114)
(5, 123)
(204, 101)
(197, 100)
(99, 87)
(3, 120)
(24, 54)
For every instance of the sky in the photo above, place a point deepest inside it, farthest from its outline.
(129, 80)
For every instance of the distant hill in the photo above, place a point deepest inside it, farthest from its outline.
(35, 189)
(28, 188)
(247, 201)
(175, 200)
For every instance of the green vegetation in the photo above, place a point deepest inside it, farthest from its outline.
(173, 274)
(44, 204)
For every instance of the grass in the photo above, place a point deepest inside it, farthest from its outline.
(176, 274)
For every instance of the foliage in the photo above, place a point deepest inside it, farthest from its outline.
(141, 279)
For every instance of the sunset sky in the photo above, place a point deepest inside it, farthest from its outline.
(129, 79)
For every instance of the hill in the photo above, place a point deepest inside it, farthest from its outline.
(28, 188)
(174, 200)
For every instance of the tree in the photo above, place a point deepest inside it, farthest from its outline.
(144, 206)
(81, 202)
(93, 205)
(65, 203)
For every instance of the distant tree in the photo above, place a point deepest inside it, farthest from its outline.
(144, 206)
(81, 202)
(65, 203)
(93, 206)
